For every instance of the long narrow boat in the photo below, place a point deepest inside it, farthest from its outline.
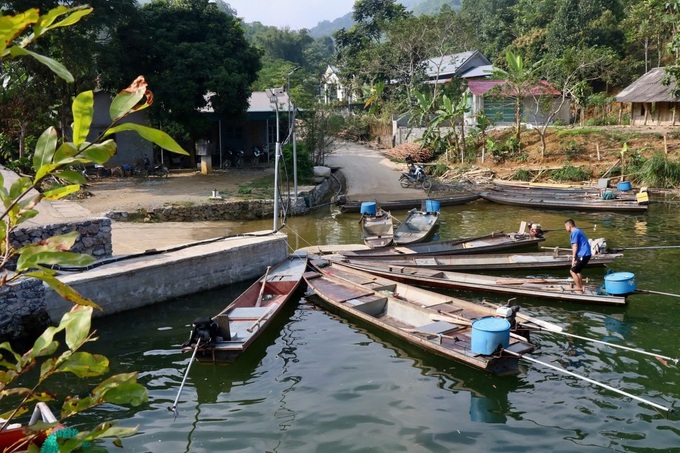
(434, 322)
(560, 259)
(572, 203)
(403, 205)
(418, 226)
(377, 229)
(543, 288)
(228, 334)
(18, 437)
(493, 242)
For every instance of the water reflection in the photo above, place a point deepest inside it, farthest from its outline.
(317, 383)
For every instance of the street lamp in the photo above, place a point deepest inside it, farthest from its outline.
(291, 130)
(274, 99)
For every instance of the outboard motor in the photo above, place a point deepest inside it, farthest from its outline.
(204, 329)
(510, 313)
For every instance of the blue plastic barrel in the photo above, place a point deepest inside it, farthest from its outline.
(369, 207)
(432, 206)
(488, 333)
(624, 186)
(619, 283)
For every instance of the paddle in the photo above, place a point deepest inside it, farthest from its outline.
(648, 291)
(264, 283)
(613, 345)
(592, 381)
(173, 409)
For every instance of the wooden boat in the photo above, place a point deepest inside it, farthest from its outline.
(572, 203)
(403, 205)
(17, 437)
(434, 322)
(418, 226)
(543, 288)
(484, 262)
(377, 230)
(493, 242)
(228, 334)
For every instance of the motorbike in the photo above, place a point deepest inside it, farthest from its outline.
(159, 170)
(260, 154)
(415, 177)
(233, 159)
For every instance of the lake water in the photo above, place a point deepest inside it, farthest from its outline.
(316, 383)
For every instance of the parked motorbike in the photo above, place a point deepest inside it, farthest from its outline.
(415, 177)
(233, 159)
(260, 154)
(159, 170)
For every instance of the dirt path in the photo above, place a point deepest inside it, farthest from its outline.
(370, 175)
(185, 187)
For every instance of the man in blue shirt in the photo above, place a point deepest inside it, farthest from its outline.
(580, 252)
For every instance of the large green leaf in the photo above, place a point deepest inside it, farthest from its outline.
(83, 110)
(45, 344)
(45, 148)
(84, 364)
(62, 289)
(56, 67)
(72, 176)
(12, 26)
(156, 136)
(100, 153)
(77, 323)
(47, 21)
(61, 192)
(65, 154)
(20, 186)
(124, 102)
(121, 389)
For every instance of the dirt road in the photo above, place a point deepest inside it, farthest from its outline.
(370, 175)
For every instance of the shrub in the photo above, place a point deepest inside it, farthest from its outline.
(659, 171)
(522, 175)
(570, 173)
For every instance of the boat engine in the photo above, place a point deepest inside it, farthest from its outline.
(509, 313)
(204, 329)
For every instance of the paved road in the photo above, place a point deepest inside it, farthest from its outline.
(370, 175)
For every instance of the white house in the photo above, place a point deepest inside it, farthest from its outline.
(333, 89)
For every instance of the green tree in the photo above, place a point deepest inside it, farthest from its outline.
(519, 80)
(53, 156)
(193, 54)
(493, 23)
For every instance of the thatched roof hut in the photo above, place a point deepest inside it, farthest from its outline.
(652, 102)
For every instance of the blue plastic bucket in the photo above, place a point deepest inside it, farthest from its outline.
(488, 333)
(432, 206)
(620, 283)
(369, 207)
(624, 186)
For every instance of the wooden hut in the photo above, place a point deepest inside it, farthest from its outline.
(651, 102)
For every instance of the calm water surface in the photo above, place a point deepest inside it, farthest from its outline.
(316, 383)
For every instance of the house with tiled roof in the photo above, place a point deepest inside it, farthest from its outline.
(498, 103)
(651, 101)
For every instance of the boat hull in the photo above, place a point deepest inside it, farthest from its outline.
(486, 262)
(576, 204)
(398, 205)
(419, 226)
(549, 289)
(239, 325)
(434, 322)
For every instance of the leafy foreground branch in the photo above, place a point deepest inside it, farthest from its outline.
(55, 157)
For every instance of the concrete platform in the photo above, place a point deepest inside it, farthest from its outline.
(152, 278)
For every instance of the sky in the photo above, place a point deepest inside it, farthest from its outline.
(295, 14)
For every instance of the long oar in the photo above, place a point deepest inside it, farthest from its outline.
(648, 291)
(613, 345)
(264, 283)
(668, 410)
(173, 409)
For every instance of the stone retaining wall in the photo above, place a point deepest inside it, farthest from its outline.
(23, 313)
(94, 236)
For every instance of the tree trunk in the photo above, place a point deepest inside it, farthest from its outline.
(518, 117)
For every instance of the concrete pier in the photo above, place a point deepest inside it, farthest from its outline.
(153, 278)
